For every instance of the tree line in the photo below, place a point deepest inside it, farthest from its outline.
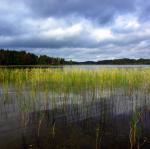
(125, 61)
(8, 57)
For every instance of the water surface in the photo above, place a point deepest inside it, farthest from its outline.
(88, 119)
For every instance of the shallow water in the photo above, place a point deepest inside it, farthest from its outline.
(106, 66)
(77, 66)
(78, 123)
(88, 119)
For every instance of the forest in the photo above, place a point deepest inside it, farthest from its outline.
(12, 57)
(8, 57)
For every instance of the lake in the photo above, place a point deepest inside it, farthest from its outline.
(77, 66)
(77, 107)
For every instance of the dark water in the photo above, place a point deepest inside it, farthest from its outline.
(76, 66)
(103, 122)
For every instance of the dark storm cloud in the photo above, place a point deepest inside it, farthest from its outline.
(8, 28)
(101, 10)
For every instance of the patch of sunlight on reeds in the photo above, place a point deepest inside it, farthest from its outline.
(75, 80)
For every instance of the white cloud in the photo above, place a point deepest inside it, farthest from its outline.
(100, 34)
(127, 22)
(61, 33)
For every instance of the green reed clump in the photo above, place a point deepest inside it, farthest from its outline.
(46, 88)
(75, 80)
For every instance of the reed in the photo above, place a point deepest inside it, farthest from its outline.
(68, 82)
(41, 117)
(76, 80)
(99, 135)
(70, 85)
(133, 136)
(46, 89)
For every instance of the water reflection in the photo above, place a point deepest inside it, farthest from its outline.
(76, 66)
(76, 121)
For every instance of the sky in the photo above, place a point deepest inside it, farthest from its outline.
(80, 30)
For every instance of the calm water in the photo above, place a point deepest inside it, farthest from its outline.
(106, 66)
(83, 124)
(80, 66)
(78, 121)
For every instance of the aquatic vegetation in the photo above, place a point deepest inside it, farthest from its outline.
(41, 117)
(49, 88)
(75, 95)
(75, 80)
(44, 89)
(133, 136)
(53, 129)
(99, 135)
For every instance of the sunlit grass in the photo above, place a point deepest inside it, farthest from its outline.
(75, 80)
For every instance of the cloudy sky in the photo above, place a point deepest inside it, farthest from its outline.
(80, 30)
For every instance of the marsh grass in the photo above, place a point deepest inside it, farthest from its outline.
(45, 89)
(75, 80)
(134, 131)
(70, 86)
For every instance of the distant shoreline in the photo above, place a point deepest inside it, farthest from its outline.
(11, 58)
(63, 66)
